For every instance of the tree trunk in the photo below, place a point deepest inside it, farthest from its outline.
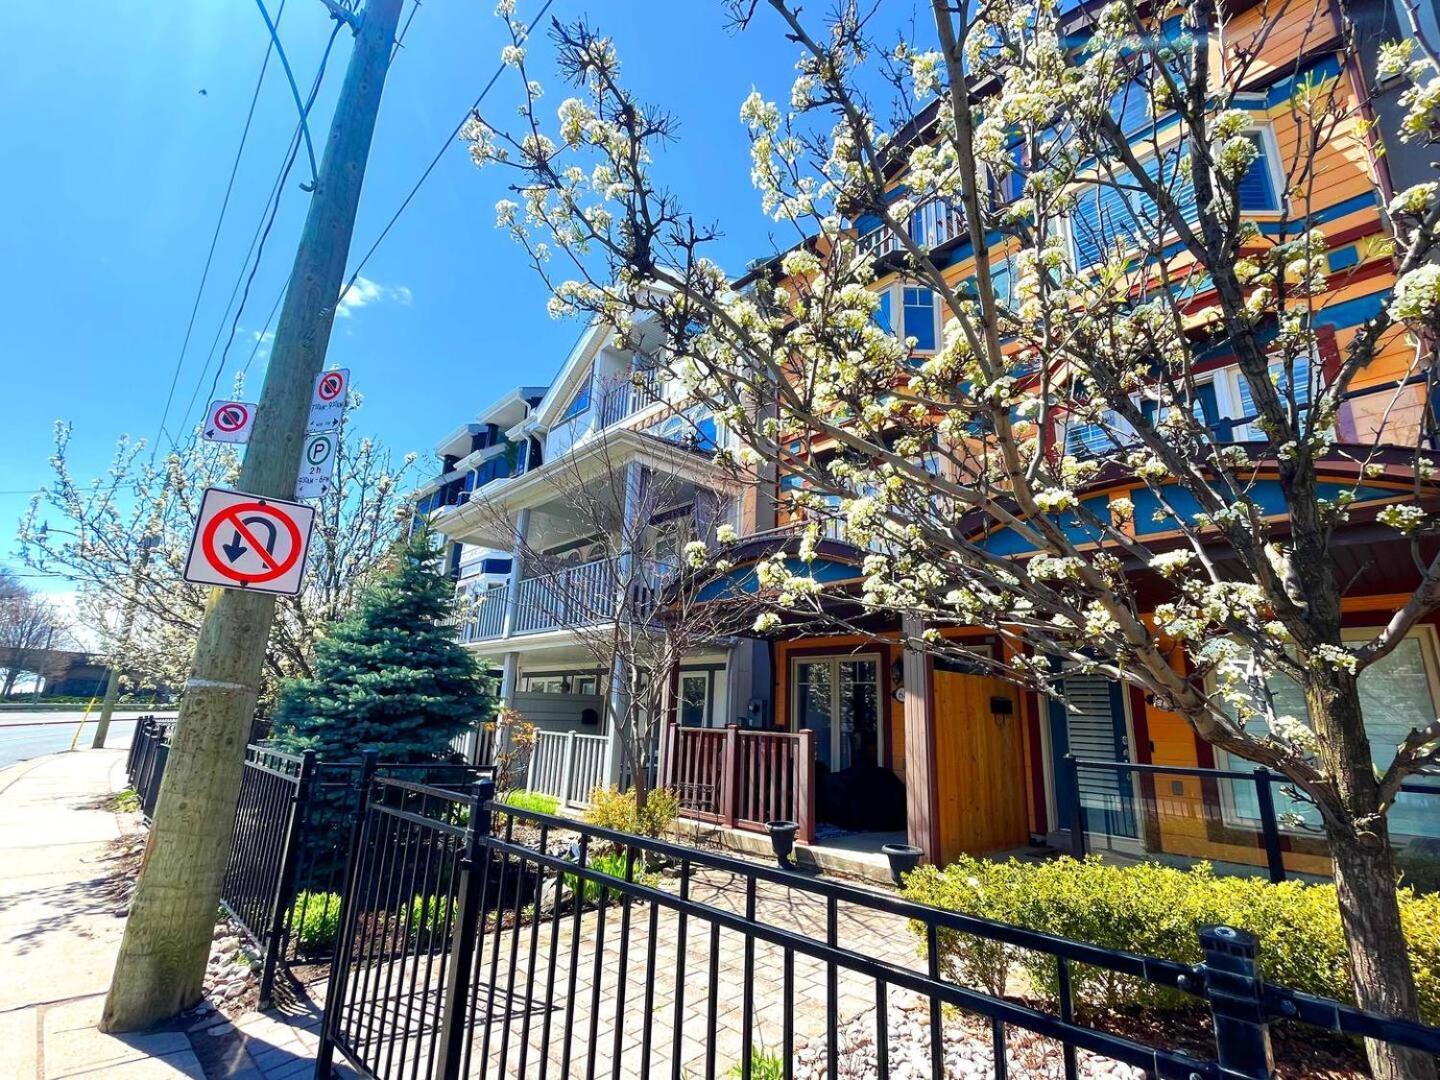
(1379, 958)
(1364, 868)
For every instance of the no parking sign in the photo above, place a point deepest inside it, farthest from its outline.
(229, 421)
(327, 404)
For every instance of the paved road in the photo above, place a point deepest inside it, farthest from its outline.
(28, 735)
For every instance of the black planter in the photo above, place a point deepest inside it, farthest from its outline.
(903, 858)
(782, 839)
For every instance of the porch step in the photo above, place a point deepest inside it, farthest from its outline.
(870, 867)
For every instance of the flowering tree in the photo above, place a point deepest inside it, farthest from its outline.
(1005, 120)
(123, 540)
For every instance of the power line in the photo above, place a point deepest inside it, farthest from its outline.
(215, 237)
(449, 141)
(262, 234)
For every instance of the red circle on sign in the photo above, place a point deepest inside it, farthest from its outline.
(228, 410)
(231, 516)
(330, 386)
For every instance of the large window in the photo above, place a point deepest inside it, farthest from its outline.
(1399, 692)
(838, 697)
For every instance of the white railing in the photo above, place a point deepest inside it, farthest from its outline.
(933, 223)
(483, 616)
(575, 596)
(568, 765)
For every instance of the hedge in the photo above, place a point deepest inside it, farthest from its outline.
(1157, 911)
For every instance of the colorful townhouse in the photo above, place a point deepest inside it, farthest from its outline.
(908, 746)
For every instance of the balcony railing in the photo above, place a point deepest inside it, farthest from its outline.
(570, 598)
(931, 224)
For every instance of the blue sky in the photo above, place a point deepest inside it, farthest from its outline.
(116, 165)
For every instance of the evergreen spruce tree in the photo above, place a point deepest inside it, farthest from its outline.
(390, 676)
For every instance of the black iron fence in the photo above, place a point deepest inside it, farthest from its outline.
(1247, 816)
(145, 763)
(479, 940)
(293, 825)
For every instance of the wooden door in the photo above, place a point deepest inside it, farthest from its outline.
(979, 767)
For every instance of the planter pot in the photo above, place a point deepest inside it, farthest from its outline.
(782, 840)
(903, 859)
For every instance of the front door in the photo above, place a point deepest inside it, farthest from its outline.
(1093, 728)
(839, 699)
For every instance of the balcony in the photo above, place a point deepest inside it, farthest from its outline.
(571, 598)
(932, 224)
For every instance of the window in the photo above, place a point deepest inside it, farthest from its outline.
(1300, 394)
(882, 316)
(580, 403)
(563, 683)
(1397, 693)
(694, 703)
(839, 699)
(920, 317)
(1084, 440)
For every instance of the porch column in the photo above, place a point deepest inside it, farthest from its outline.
(921, 793)
(618, 705)
(509, 679)
(517, 559)
(632, 526)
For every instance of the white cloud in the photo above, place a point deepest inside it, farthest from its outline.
(365, 292)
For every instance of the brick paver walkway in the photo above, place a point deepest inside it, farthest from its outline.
(700, 974)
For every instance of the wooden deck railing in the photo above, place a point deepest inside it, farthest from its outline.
(742, 779)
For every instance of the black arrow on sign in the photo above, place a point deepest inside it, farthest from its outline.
(235, 548)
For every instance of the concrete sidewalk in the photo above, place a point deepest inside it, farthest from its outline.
(64, 881)
(61, 917)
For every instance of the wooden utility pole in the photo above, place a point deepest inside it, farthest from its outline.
(167, 937)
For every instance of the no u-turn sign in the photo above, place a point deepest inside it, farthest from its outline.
(248, 542)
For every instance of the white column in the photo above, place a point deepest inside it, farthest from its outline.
(619, 702)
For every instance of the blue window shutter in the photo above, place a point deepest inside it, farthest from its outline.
(1000, 283)
(1131, 107)
(1100, 219)
(882, 316)
(1256, 190)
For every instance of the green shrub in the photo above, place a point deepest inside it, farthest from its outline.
(535, 801)
(125, 802)
(763, 1065)
(613, 864)
(427, 918)
(315, 921)
(1156, 911)
(613, 809)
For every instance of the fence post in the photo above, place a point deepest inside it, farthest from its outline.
(805, 786)
(285, 880)
(567, 768)
(1269, 825)
(1235, 993)
(531, 764)
(335, 989)
(470, 909)
(730, 771)
(1077, 812)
